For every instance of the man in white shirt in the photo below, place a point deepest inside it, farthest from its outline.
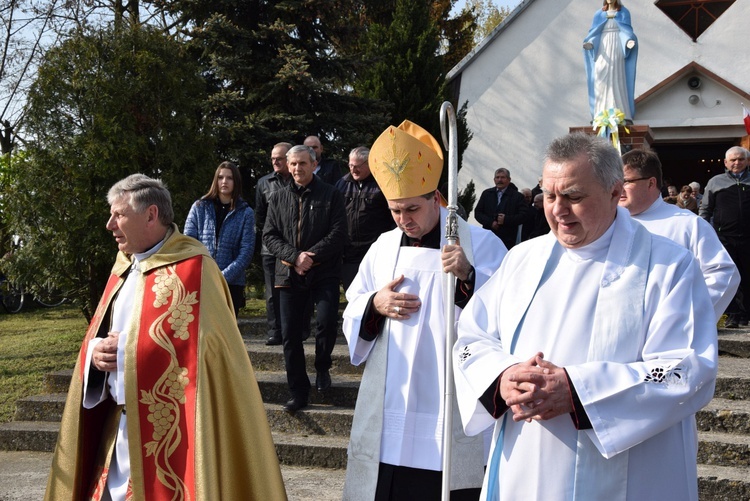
(641, 195)
(590, 348)
(395, 321)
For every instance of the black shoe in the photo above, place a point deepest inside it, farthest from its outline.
(743, 323)
(273, 341)
(294, 404)
(323, 381)
(731, 323)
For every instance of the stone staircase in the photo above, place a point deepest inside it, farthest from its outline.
(317, 436)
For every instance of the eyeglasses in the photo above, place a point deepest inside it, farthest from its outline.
(354, 166)
(630, 181)
(277, 159)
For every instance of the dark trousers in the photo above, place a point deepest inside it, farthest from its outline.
(739, 250)
(348, 272)
(401, 483)
(292, 302)
(273, 315)
(238, 297)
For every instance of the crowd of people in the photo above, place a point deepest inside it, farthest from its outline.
(586, 308)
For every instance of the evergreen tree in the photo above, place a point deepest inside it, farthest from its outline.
(403, 66)
(278, 72)
(105, 104)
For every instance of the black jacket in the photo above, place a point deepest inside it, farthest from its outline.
(512, 205)
(330, 171)
(266, 185)
(311, 219)
(367, 215)
(726, 199)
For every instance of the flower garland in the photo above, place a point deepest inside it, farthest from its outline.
(608, 123)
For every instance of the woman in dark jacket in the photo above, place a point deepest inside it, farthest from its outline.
(225, 224)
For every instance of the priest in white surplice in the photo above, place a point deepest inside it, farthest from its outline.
(590, 349)
(395, 322)
(641, 195)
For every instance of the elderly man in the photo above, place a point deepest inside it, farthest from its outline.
(275, 180)
(641, 195)
(395, 322)
(502, 209)
(366, 211)
(306, 230)
(726, 204)
(589, 349)
(326, 169)
(163, 345)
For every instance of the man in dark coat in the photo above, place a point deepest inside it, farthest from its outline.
(502, 209)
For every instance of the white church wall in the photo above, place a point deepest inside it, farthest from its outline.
(528, 85)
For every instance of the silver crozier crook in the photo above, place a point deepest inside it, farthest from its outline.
(451, 235)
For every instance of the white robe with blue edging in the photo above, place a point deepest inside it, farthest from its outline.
(628, 316)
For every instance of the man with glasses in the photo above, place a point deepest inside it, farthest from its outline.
(366, 211)
(641, 195)
(274, 181)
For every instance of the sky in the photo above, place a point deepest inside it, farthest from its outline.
(510, 4)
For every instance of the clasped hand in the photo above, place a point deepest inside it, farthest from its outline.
(104, 354)
(536, 390)
(304, 262)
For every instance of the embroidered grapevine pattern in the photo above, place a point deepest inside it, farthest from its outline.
(165, 398)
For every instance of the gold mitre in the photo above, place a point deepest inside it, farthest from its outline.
(406, 161)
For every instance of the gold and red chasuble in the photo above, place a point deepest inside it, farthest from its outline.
(197, 428)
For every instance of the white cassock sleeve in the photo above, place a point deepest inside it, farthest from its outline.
(367, 282)
(675, 376)
(484, 360)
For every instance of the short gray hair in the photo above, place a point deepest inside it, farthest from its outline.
(301, 148)
(604, 159)
(144, 192)
(736, 149)
(361, 153)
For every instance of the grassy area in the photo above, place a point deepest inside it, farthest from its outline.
(255, 305)
(37, 341)
(33, 343)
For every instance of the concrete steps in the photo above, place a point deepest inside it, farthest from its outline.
(317, 436)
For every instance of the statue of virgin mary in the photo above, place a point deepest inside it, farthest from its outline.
(610, 52)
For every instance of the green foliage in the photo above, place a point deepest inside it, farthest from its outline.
(278, 71)
(487, 16)
(468, 197)
(404, 66)
(105, 104)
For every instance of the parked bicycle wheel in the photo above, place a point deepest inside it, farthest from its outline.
(50, 298)
(12, 297)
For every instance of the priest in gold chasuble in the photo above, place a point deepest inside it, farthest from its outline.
(163, 403)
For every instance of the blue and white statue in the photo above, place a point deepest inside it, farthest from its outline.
(610, 51)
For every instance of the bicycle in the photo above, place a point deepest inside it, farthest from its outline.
(12, 297)
(50, 298)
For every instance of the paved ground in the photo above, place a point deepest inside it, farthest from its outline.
(23, 477)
